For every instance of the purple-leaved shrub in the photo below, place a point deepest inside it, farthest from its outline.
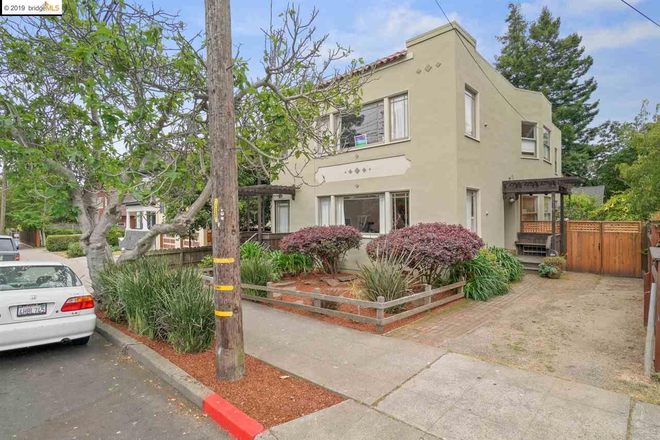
(326, 245)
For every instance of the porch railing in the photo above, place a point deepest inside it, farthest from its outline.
(539, 227)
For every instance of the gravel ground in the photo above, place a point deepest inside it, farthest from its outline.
(583, 327)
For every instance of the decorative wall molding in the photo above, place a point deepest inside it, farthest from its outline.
(367, 169)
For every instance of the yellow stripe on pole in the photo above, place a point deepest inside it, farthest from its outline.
(224, 314)
(223, 260)
(223, 288)
(215, 210)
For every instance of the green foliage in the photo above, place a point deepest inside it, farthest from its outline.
(207, 262)
(75, 250)
(513, 268)
(291, 264)
(160, 303)
(612, 149)
(61, 232)
(114, 234)
(581, 207)
(545, 270)
(619, 208)
(388, 275)
(534, 57)
(557, 262)
(484, 277)
(258, 271)
(252, 249)
(59, 243)
(330, 305)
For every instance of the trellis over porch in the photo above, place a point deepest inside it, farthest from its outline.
(271, 239)
(538, 234)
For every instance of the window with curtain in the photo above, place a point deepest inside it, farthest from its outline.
(472, 206)
(546, 144)
(528, 143)
(556, 162)
(399, 117)
(281, 216)
(324, 211)
(470, 113)
(366, 128)
(400, 210)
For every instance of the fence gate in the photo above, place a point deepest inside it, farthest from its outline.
(609, 248)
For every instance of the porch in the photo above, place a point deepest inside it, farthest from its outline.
(536, 238)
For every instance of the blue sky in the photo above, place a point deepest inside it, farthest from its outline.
(623, 44)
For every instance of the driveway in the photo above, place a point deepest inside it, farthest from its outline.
(65, 392)
(583, 327)
(79, 265)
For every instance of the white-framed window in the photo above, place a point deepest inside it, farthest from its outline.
(472, 208)
(324, 134)
(546, 144)
(400, 209)
(528, 143)
(547, 208)
(528, 209)
(324, 211)
(281, 216)
(556, 162)
(399, 117)
(364, 129)
(470, 112)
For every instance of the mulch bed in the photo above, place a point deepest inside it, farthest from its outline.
(266, 394)
(310, 281)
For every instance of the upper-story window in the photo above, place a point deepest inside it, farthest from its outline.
(399, 117)
(556, 162)
(528, 145)
(546, 144)
(366, 128)
(470, 112)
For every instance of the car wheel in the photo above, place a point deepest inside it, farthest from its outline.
(80, 341)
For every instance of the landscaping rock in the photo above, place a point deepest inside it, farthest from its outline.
(346, 278)
(332, 282)
(284, 284)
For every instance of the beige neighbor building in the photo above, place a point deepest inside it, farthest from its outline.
(433, 143)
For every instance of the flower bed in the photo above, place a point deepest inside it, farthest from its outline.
(266, 394)
(310, 281)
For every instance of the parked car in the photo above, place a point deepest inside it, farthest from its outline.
(43, 303)
(9, 249)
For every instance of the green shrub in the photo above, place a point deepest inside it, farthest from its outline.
(325, 245)
(114, 234)
(111, 280)
(257, 271)
(207, 262)
(386, 275)
(59, 243)
(557, 262)
(511, 265)
(484, 277)
(252, 249)
(291, 264)
(62, 232)
(75, 250)
(545, 270)
(330, 305)
(187, 312)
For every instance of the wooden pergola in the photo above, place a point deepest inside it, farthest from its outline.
(547, 186)
(259, 191)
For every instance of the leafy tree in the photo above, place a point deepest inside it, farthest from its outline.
(581, 207)
(111, 99)
(534, 57)
(612, 148)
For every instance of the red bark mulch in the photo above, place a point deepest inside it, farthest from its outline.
(266, 394)
(308, 282)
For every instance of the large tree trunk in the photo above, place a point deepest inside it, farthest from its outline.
(230, 354)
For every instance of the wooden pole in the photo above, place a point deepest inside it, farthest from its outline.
(260, 216)
(562, 222)
(553, 241)
(230, 354)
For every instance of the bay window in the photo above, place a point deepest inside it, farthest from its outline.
(528, 143)
(370, 214)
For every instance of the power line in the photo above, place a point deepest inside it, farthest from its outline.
(460, 38)
(641, 13)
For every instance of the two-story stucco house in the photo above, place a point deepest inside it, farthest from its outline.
(439, 131)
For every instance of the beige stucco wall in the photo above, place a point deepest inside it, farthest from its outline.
(443, 162)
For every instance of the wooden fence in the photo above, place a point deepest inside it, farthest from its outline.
(380, 321)
(183, 256)
(539, 227)
(652, 313)
(608, 248)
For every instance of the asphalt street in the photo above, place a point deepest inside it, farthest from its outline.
(91, 392)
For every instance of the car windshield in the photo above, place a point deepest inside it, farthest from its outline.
(6, 244)
(37, 277)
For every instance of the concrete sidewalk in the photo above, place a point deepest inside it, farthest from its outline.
(403, 390)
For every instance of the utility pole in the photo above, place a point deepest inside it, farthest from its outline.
(230, 354)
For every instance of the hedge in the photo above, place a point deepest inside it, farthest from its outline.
(62, 232)
(58, 243)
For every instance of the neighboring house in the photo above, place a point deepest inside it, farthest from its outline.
(597, 192)
(433, 143)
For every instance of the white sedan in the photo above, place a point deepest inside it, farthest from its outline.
(43, 303)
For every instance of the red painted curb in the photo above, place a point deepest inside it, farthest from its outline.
(232, 419)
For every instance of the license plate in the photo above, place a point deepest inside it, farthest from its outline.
(31, 310)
